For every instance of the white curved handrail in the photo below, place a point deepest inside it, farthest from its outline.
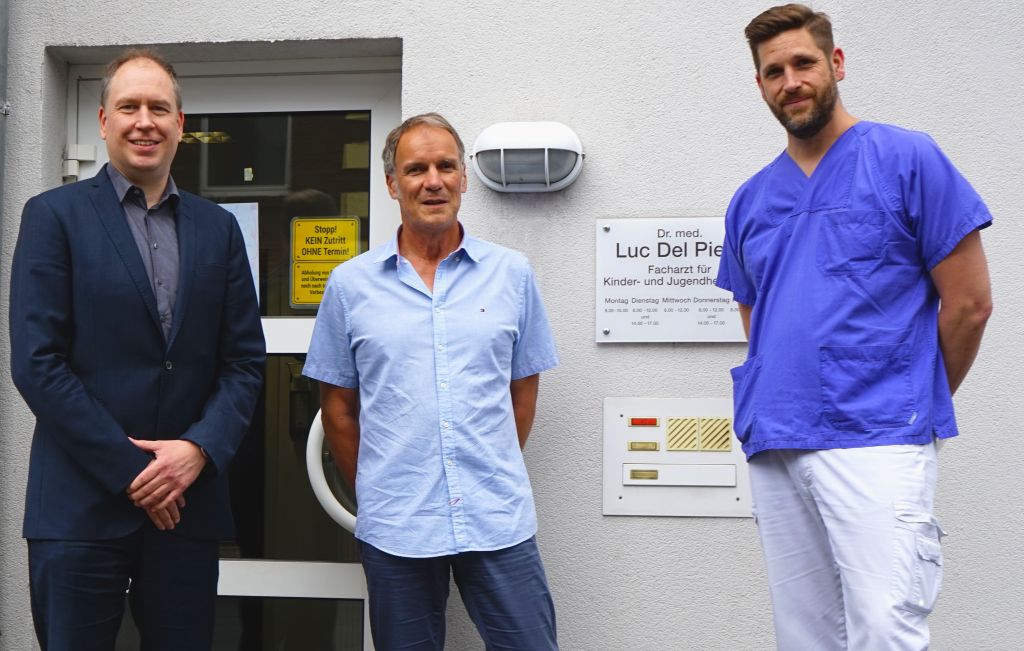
(318, 480)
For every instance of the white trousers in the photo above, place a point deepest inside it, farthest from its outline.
(850, 544)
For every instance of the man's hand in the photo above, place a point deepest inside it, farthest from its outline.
(164, 480)
(165, 519)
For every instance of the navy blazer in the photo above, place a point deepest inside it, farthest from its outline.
(90, 358)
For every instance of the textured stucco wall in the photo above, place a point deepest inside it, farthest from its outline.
(662, 95)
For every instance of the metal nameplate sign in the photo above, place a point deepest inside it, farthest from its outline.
(656, 281)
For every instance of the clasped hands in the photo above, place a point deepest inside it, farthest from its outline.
(160, 487)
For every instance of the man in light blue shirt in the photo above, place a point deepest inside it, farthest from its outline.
(428, 350)
(856, 259)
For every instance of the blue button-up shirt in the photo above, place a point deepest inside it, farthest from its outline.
(844, 347)
(440, 470)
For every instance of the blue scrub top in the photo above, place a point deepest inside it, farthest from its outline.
(844, 333)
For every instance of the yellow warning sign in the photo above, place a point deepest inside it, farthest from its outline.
(319, 244)
(324, 239)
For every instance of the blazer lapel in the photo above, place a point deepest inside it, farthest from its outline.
(111, 215)
(186, 226)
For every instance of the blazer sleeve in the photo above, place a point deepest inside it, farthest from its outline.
(241, 359)
(41, 330)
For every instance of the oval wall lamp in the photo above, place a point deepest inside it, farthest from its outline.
(527, 156)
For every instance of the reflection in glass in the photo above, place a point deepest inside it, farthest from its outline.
(292, 165)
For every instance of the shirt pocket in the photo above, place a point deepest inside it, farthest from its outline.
(850, 243)
(744, 381)
(866, 387)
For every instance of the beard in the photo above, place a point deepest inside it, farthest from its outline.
(809, 125)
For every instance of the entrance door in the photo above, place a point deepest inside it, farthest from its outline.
(274, 142)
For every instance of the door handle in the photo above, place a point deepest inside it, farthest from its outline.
(318, 480)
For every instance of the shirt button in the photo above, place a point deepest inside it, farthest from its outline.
(444, 385)
(155, 245)
(440, 347)
(168, 365)
(445, 424)
(450, 462)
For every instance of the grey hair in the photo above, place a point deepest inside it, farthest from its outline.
(435, 120)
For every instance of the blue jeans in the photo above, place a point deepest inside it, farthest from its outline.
(505, 593)
(78, 591)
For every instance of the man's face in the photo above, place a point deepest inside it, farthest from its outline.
(141, 121)
(799, 82)
(428, 180)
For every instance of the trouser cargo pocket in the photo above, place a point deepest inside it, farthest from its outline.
(919, 561)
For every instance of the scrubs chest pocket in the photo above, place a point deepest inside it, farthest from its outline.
(850, 243)
(866, 387)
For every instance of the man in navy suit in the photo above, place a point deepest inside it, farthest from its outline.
(136, 342)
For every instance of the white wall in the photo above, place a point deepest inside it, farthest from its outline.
(662, 95)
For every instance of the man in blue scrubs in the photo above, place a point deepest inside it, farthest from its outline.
(857, 262)
(428, 350)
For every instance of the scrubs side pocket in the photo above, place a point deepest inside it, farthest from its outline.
(866, 387)
(918, 564)
(850, 243)
(744, 380)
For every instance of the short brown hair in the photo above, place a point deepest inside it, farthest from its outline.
(435, 120)
(783, 18)
(138, 53)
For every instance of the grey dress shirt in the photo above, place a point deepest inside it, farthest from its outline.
(156, 235)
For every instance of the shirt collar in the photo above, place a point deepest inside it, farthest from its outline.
(471, 246)
(122, 186)
(389, 250)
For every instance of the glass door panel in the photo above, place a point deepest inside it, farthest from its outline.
(277, 517)
(281, 166)
(289, 166)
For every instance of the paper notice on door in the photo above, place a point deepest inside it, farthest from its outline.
(248, 217)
